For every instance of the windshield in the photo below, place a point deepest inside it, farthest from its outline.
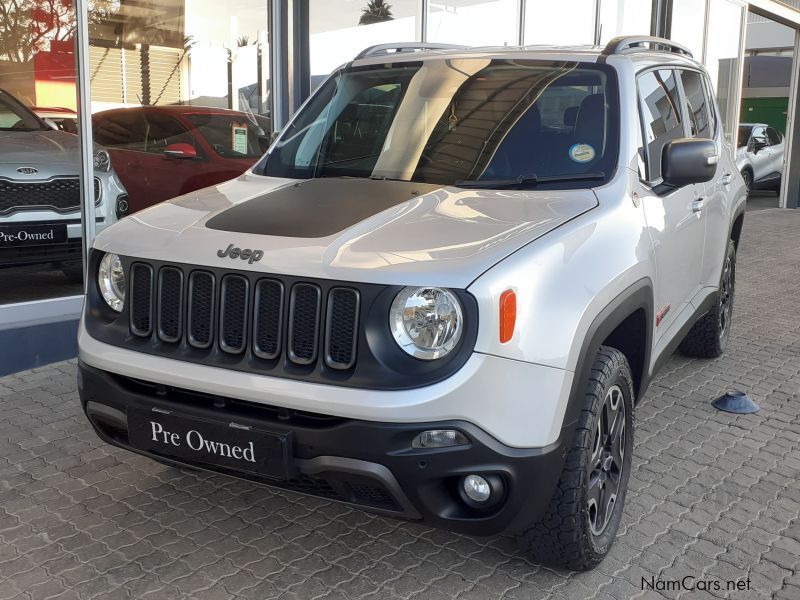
(15, 117)
(232, 136)
(744, 136)
(445, 121)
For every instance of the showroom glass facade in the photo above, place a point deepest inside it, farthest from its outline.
(181, 89)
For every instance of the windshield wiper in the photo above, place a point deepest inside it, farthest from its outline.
(526, 181)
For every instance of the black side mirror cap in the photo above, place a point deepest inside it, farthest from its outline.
(688, 160)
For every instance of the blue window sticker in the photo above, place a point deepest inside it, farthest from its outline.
(581, 153)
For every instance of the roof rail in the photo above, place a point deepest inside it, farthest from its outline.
(618, 44)
(396, 48)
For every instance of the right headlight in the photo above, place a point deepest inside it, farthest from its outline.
(426, 322)
(111, 280)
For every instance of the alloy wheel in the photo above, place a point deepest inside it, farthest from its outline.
(726, 298)
(607, 460)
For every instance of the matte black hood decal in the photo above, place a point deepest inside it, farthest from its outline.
(316, 207)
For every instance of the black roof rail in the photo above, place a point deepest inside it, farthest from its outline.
(396, 48)
(618, 44)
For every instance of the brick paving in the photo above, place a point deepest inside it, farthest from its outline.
(713, 496)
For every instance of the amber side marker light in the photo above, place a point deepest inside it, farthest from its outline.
(508, 315)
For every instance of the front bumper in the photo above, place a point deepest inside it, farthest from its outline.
(364, 463)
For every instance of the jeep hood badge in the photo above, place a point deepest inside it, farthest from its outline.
(247, 254)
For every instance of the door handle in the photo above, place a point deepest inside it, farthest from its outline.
(726, 179)
(697, 205)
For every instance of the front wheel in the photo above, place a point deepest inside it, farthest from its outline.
(583, 516)
(709, 336)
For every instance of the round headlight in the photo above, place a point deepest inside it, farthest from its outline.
(111, 279)
(102, 161)
(426, 322)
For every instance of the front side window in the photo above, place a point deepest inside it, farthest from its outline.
(163, 131)
(231, 135)
(774, 136)
(449, 121)
(661, 116)
(697, 107)
(759, 138)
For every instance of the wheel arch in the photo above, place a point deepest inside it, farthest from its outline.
(736, 228)
(626, 324)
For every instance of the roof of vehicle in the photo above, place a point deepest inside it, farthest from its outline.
(754, 125)
(54, 110)
(630, 47)
(181, 109)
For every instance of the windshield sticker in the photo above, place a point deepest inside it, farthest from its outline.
(581, 153)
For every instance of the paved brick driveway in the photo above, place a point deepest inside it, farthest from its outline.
(713, 496)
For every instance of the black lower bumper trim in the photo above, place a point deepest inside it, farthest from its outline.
(368, 464)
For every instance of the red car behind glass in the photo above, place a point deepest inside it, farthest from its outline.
(160, 152)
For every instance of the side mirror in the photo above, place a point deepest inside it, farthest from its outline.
(689, 160)
(759, 145)
(180, 150)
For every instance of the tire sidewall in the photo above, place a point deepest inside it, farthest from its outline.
(601, 544)
(730, 254)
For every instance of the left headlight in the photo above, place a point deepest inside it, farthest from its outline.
(111, 279)
(102, 161)
(426, 322)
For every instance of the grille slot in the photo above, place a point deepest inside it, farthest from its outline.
(141, 299)
(268, 319)
(201, 309)
(61, 194)
(170, 300)
(341, 328)
(304, 323)
(233, 314)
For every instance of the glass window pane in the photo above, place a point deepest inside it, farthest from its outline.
(340, 30)
(688, 22)
(661, 115)
(180, 94)
(696, 105)
(722, 59)
(474, 22)
(568, 22)
(624, 17)
(40, 195)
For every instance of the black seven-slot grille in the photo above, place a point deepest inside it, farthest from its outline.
(239, 315)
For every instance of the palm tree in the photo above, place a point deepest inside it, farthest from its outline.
(376, 12)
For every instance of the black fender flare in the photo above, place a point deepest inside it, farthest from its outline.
(637, 296)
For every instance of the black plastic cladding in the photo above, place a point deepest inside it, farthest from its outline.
(377, 363)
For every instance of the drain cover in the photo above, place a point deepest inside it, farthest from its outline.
(736, 402)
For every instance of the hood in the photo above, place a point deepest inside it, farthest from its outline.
(34, 148)
(361, 230)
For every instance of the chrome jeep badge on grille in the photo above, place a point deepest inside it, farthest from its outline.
(247, 254)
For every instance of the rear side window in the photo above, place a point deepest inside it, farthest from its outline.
(774, 136)
(697, 107)
(124, 130)
(661, 116)
(162, 131)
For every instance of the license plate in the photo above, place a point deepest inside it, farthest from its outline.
(213, 443)
(32, 235)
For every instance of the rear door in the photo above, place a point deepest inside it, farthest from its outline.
(715, 204)
(674, 224)
(776, 149)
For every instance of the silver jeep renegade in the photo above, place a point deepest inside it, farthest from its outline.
(439, 294)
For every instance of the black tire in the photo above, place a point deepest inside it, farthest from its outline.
(747, 175)
(570, 534)
(709, 336)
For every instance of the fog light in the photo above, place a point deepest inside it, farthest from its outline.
(439, 438)
(477, 488)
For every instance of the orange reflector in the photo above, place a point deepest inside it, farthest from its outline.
(508, 315)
